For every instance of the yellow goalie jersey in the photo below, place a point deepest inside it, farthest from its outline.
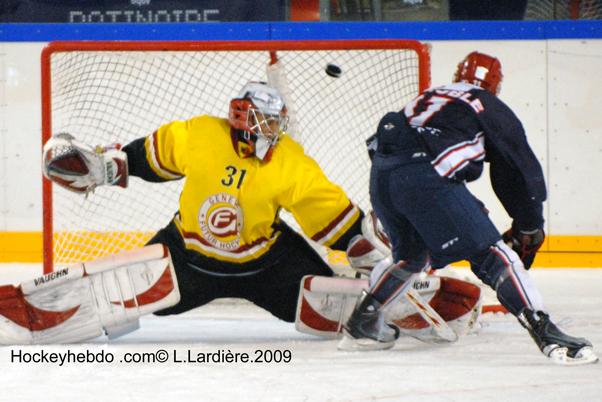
(229, 203)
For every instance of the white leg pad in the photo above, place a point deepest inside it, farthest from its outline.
(86, 300)
(325, 304)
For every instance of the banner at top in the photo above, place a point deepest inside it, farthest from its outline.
(140, 11)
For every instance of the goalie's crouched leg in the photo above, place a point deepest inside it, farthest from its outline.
(195, 289)
(276, 288)
(270, 282)
(326, 303)
(85, 300)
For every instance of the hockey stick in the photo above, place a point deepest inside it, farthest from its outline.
(276, 73)
(438, 324)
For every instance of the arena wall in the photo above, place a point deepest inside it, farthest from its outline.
(551, 80)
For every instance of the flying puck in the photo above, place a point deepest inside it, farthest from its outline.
(333, 70)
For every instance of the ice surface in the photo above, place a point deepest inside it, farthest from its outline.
(500, 363)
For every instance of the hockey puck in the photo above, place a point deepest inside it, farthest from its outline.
(333, 70)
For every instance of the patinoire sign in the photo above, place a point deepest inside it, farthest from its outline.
(140, 11)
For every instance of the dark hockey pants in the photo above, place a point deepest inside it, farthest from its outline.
(426, 214)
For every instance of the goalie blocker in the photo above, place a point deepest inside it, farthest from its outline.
(326, 303)
(85, 300)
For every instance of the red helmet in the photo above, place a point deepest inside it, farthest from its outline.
(258, 119)
(481, 70)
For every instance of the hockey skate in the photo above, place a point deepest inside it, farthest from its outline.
(558, 346)
(366, 328)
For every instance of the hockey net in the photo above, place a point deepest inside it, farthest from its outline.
(105, 92)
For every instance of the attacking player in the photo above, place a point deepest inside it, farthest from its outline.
(422, 157)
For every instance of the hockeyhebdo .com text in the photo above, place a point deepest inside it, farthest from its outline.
(159, 356)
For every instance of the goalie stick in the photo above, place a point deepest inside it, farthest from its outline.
(276, 73)
(438, 324)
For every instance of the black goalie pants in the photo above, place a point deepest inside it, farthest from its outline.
(271, 281)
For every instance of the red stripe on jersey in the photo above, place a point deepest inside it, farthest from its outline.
(455, 149)
(324, 232)
(161, 165)
(453, 169)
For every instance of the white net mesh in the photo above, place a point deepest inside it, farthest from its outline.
(102, 97)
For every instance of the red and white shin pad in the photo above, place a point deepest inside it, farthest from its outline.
(85, 300)
(325, 304)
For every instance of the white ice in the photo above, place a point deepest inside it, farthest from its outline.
(500, 363)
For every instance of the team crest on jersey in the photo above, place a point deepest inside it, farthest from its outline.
(221, 219)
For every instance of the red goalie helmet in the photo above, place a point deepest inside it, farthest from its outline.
(481, 70)
(258, 119)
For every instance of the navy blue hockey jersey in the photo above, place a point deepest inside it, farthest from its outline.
(462, 126)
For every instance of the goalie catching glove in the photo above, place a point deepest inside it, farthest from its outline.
(80, 168)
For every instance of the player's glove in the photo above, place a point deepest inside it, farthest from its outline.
(525, 243)
(81, 168)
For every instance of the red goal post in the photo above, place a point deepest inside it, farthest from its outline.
(104, 92)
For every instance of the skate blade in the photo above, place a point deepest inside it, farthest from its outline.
(585, 355)
(349, 343)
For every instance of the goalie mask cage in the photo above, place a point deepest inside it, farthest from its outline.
(106, 92)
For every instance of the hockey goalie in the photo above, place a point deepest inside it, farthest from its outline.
(108, 295)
